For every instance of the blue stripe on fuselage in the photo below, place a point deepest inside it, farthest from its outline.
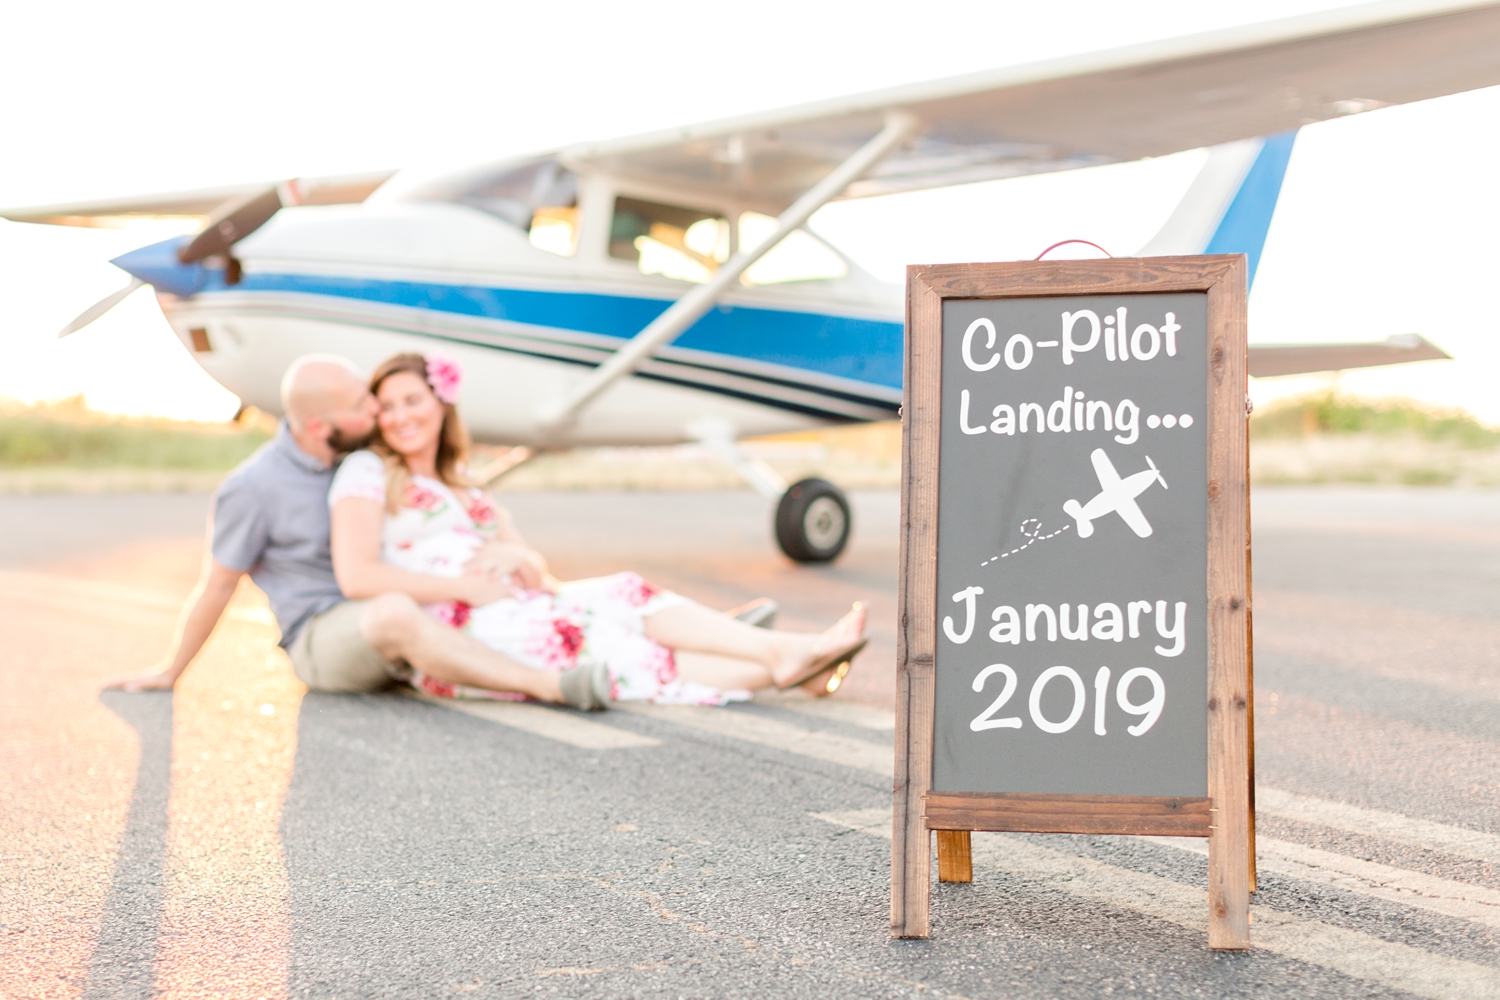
(860, 349)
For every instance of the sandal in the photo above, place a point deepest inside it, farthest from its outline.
(829, 663)
(760, 612)
(826, 682)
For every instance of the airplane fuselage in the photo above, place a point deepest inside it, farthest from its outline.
(370, 280)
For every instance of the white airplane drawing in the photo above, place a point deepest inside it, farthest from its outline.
(1116, 495)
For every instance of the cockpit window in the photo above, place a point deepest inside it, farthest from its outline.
(683, 243)
(539, 197)
(799, 257)
(555, 230)
(689, 244)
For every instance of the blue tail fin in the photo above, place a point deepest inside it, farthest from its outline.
(1246, 222)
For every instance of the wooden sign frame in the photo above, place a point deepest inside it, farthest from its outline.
(1225, 817)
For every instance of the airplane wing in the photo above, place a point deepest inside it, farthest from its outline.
(334, 190)
(1297, 359)
(1133, 517)
(1109, 479)
(1124, 104)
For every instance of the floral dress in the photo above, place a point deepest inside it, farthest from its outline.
(437, 530)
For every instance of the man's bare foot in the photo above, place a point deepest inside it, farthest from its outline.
(813, 654)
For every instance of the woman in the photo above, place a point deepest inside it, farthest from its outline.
(405, 518)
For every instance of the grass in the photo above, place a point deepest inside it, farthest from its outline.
(1319, 438)
(69, 435)
(1329, 438)
(1332, 414)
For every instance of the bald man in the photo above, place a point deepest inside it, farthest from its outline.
(270, 520)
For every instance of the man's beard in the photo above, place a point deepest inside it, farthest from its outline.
(343, 444)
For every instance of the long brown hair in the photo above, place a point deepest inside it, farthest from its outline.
(453, 438)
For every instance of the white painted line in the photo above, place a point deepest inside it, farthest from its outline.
(863, 756)
(835, 709)
(1415, 889)
(1351, 953)
(1362, 956)
(554, 724)
(771, 733)
(872, 821)
(1378, 823)
(1396, 885)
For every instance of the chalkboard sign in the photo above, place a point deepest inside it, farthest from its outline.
(1075, 582)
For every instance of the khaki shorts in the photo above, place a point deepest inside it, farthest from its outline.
(330, 654)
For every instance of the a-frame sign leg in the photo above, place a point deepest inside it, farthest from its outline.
(911, 842)
(1229, 689)
(955, 862)
(1250, 671)
(1229, 857)
(1229, 871)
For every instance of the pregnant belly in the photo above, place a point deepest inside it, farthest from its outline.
(441, 555)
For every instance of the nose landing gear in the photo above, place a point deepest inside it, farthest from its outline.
(812, 521)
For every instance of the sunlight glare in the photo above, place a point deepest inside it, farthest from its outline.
(129, 361)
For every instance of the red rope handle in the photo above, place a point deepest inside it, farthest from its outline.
(1064, 243)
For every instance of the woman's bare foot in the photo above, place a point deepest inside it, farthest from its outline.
(810, 655)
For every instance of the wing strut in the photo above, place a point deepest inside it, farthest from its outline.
(899, 126)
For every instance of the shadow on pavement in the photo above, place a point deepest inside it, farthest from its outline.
(123, 964)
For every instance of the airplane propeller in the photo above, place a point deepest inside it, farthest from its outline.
(231, 222)
(99, 308)
(1159, 477)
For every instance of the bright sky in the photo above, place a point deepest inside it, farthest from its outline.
(1385, 223)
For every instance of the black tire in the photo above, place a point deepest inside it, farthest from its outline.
(813, 521)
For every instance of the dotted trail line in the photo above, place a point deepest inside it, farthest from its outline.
(1034, 534)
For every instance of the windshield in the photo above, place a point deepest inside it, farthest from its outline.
(684, 243)
(538, 196)
(799, 257)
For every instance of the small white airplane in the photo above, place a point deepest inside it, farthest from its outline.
(1115, 495)
(661, 288)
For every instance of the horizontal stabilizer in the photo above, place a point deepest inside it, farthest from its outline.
(1297, 359)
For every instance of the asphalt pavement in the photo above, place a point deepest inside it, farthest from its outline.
(241, 838)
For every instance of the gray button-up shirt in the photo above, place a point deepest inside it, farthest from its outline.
(271, 521)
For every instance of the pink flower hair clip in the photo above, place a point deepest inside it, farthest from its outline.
(444, 375)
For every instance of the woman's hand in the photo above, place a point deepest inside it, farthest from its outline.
(161, 681)
(477, 591)
(499, 559)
